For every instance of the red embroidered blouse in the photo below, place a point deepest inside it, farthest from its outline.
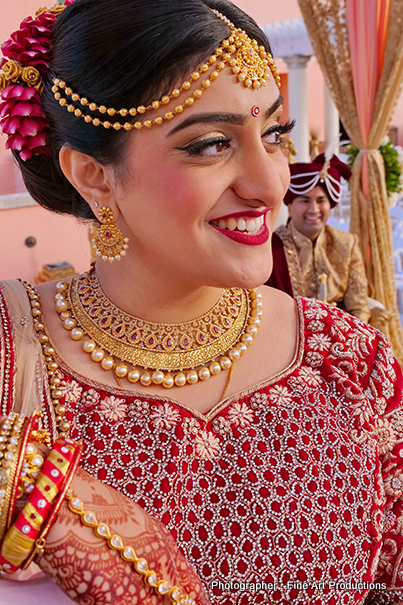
(289, 492)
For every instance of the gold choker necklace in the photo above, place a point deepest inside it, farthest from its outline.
(165, 354)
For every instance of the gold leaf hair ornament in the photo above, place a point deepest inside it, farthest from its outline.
(251, 63)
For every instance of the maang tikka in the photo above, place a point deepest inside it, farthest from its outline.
(109, 242)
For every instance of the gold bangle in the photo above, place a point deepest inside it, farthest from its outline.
(11, 460)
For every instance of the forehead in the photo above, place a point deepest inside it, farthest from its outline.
(228, 94)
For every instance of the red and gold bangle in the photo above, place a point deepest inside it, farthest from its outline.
(40, 542)
(20, 538)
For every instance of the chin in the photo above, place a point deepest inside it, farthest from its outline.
(254, 279)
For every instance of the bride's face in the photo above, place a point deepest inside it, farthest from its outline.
(204, 190)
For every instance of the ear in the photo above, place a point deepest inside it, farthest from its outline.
(93, 181)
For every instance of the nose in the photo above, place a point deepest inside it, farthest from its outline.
(314, 207)
(262, 177)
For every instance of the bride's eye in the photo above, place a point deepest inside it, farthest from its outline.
(272, 136)
(207, 147)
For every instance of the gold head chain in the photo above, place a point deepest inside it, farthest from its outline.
(249, 61)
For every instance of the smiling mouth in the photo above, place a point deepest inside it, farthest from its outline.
(313, 219)
(247, 225)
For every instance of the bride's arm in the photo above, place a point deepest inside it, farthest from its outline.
(90, 572)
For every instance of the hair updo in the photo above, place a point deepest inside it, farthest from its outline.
(119, 54)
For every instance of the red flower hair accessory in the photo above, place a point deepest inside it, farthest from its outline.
(23, 68)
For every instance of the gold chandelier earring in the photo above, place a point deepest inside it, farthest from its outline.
(109, 242)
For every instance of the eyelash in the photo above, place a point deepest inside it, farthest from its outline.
(280, 129)
(198, 147)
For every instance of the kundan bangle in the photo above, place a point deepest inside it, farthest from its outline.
(30, 470)
(127, 553)
(15, 433)
(20, 539)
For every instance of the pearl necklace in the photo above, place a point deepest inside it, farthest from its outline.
(162, 354)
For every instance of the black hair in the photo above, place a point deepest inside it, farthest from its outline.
(119, 54)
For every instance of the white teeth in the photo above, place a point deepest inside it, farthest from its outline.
(241, 225)
(231, 224)
(251, 225)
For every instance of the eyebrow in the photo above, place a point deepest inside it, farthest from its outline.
(229, 118)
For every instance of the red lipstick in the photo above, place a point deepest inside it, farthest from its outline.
(244, 238)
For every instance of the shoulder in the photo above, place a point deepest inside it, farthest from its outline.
(341, 237)
(336, 323)
(281, 230)
(7, 348)
(341, 345)
(13, 292)
(283, 235)
(15, 304)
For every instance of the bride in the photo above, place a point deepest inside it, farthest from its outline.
(264, 434)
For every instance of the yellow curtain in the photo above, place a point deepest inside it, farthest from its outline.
(326, 22)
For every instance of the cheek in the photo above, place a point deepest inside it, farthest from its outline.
(180, 192)
(272, 217)
(187, 197)
(284, 172)
(299, 214)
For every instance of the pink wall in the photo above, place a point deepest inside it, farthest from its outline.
(268, 11)
(397, 120)
(59, 238)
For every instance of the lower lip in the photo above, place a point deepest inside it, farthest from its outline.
(243, 238)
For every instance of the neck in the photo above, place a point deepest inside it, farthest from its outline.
(154, 298)
(312, 237)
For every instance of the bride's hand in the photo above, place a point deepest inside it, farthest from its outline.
(91, 573)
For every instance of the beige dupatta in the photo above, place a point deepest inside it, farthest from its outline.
(29, 361)
(29, 396)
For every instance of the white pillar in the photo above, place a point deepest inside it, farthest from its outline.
(332, 127)
(298, 104)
